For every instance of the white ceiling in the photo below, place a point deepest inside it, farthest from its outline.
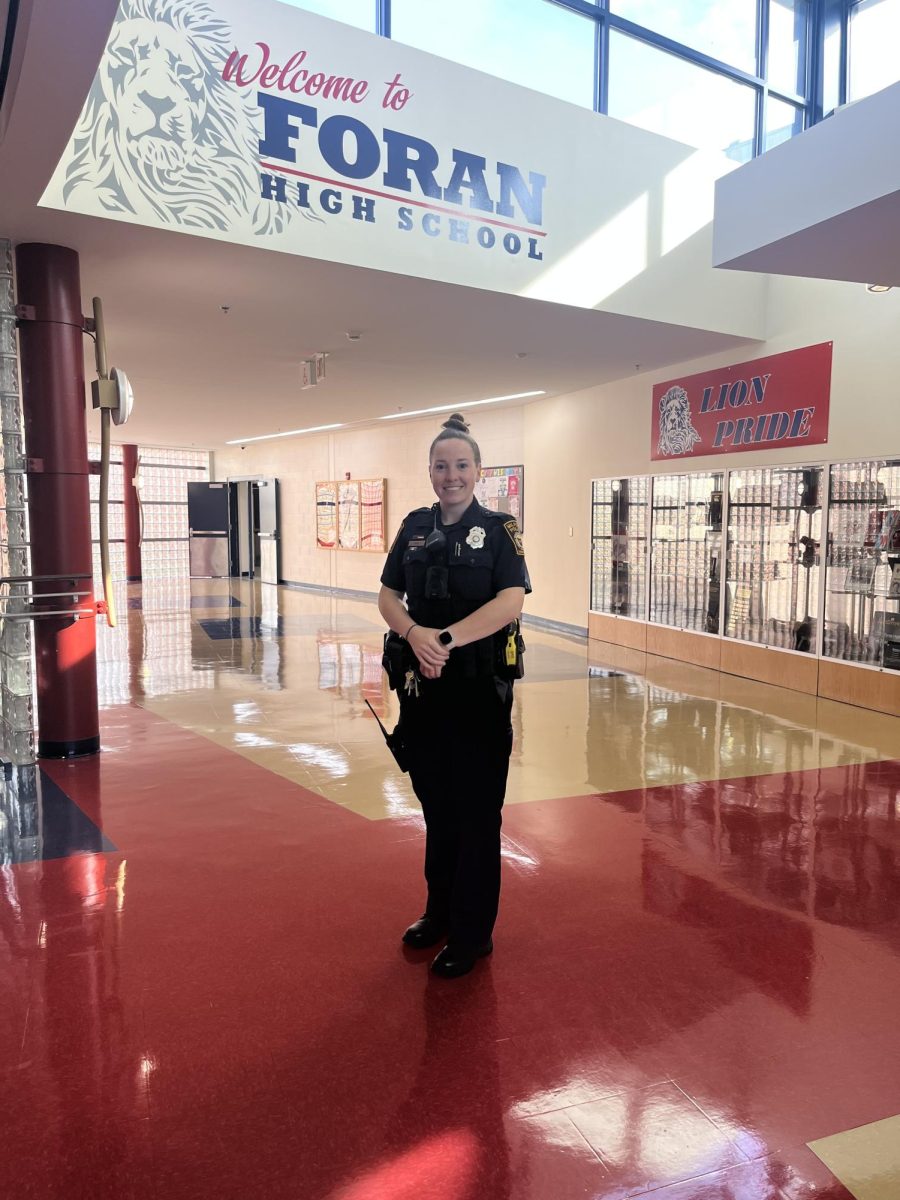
(202, 377)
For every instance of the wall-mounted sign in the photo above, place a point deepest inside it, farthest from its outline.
(766, 404)
(263, 124)
(266, 125)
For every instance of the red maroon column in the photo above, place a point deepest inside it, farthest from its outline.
(132, 515)
(53, 401)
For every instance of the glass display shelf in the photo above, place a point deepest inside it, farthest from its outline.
(862, 570)
(620, 522)
(686, 551)
(773, 556)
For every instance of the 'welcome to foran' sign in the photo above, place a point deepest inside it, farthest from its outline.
(772, 402)
(266, 125)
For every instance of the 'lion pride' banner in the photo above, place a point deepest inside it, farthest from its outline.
(761, 405)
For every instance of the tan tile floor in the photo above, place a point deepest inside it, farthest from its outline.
(293, 702)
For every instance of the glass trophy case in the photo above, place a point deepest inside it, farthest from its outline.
(620, 524)
(686, 551)
(773, 556)
(862, 578)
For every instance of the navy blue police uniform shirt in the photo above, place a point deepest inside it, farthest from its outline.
(502, 547)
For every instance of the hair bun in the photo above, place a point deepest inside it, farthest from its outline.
(457, 422)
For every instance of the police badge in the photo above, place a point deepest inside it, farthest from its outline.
(476, 537)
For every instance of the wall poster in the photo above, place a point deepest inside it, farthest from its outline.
(326, 515)
(371, 511)
(348, 515)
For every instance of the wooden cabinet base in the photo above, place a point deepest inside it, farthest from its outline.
(771, 666)
(619, 631)
(844, 682)
(685, 646)
(855, 685)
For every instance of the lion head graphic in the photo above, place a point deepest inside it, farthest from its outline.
(676, 433)
(161, 130)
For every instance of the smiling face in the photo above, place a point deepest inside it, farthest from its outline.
(453, 475)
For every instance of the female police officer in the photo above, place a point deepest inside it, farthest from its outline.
(455, 652)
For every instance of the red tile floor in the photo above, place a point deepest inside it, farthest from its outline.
(690, 983)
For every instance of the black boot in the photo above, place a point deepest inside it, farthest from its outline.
(424, 933)
(456, 960)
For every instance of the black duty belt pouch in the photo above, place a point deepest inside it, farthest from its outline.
(396, 659)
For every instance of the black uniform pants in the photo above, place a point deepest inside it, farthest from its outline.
(459, 737)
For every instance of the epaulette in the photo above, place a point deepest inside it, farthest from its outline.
(492, 515)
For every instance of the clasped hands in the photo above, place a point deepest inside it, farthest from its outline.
(428, 650)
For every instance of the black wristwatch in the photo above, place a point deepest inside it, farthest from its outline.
(445, 637)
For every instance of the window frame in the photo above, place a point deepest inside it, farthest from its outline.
(824, 17)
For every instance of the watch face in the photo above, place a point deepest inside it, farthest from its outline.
(445, 638)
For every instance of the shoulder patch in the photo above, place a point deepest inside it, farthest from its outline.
(397, 538)
(512, 528)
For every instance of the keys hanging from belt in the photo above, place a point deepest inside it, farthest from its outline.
(411, 683)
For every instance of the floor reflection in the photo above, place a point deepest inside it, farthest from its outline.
(696, 966)
(822, 843)
(39, 821)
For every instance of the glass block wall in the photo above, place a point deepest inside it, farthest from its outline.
(16, 651)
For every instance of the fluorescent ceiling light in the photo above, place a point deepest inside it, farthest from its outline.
(418, 412)
(879, 287)
(265, 437)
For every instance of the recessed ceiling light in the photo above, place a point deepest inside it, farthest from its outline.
(419, 412)
(879, 287)
(265, 437)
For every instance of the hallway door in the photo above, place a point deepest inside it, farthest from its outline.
(208, 530)
(268, 533)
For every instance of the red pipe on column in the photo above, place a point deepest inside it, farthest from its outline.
(132, 515)
(53, 402)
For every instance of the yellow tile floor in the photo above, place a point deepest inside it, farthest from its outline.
(292, 700)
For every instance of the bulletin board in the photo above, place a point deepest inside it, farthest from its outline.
(501, 489)
(350, 515)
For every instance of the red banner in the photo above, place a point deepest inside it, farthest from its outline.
(766, 404)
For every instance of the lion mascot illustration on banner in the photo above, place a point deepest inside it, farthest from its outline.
(161, 133)
(676, 433)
